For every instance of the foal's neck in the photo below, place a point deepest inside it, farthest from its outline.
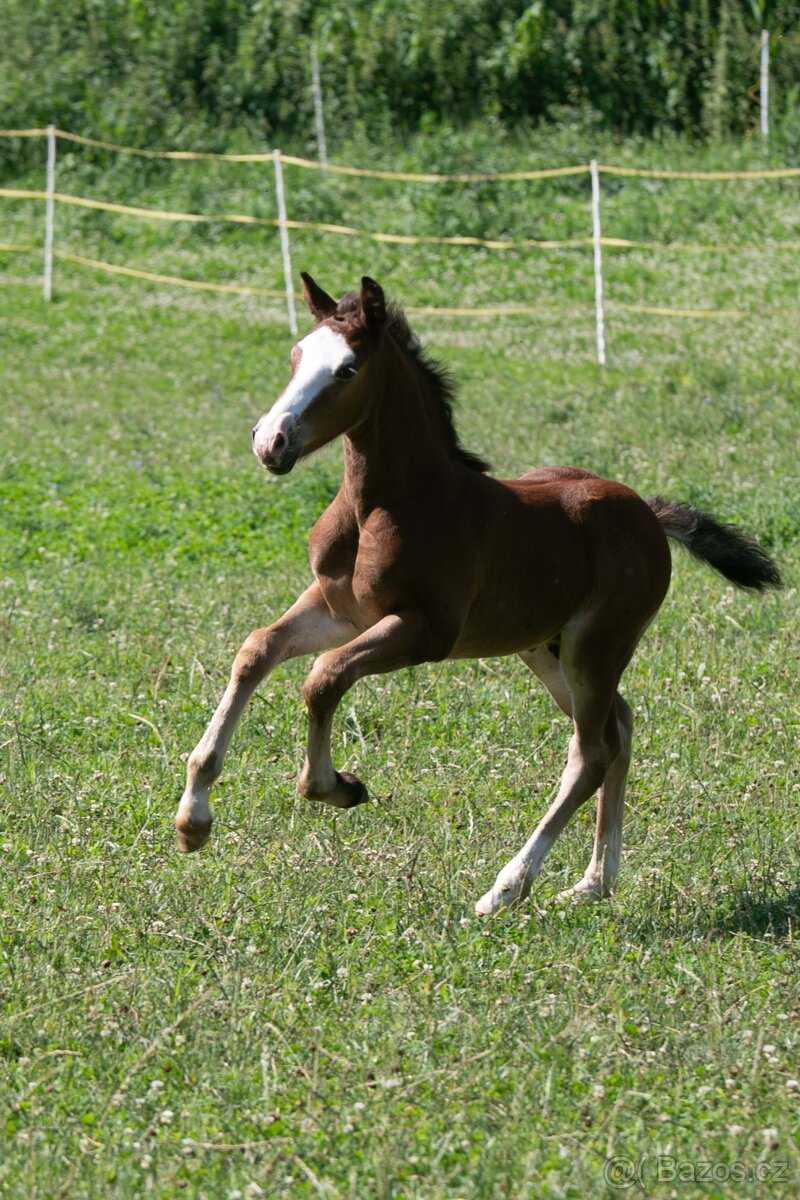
(400, 441)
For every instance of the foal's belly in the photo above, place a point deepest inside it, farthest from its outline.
(506, 620)
(535, 574)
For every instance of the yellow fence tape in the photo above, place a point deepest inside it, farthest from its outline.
(16, 248)
(613, 243)
(173, 280)
(23, 133)
(407, 176)
(702, 314)
(174, 155)
(273, 223)
(405, 239)
(652, 173)
(131, 210)
(421, 177)
(151, 277)
(171, 155)
(506, 310)
(308, 163)
(422, 239)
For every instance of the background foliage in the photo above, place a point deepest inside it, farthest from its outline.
(152, 73)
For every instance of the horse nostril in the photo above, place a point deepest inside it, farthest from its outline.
(278, 443)
(253, 433)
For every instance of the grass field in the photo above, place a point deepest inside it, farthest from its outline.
(307, 1008)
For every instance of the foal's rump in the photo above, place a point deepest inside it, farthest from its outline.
(628, 556)
(560, 544)
(725, 548)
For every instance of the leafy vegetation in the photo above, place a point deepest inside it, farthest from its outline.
(203, 70)
(307, 1008)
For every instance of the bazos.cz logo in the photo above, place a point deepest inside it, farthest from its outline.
(621, 1172)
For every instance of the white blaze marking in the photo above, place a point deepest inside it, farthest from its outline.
(322, 353)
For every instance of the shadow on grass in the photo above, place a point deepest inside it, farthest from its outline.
(756, 912)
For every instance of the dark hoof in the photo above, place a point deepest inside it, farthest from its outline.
(192, 835)
(350, 789)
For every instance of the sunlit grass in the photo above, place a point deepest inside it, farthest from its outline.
(307, 1008)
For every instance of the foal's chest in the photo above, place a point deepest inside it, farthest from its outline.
(352, 568)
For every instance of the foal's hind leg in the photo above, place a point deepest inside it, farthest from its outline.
(546, 666)
(591, 685)
(601, 874)
(305, 628)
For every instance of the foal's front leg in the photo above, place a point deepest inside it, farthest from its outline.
(305, 628)
(399, 640)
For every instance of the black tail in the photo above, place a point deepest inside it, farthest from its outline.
(724, 547)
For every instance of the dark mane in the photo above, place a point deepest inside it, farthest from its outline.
(441, 387)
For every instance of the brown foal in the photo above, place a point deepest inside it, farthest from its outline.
(422, 556)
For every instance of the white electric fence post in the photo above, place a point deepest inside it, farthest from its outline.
(598, 264)
(49, 212)
(283, 229)
(765, 83)
(319, 115)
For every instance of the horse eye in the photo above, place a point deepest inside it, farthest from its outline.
(346, 371)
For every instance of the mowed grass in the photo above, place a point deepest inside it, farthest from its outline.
(307, 1007)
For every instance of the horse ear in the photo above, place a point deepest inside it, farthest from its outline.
(320, 304)
(373, 303)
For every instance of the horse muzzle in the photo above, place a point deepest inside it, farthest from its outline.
(274, 448)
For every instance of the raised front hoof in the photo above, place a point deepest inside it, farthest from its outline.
(192, 834)
(347, 792)
(350, 791)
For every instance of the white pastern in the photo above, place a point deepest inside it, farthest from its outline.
(194, 808)
(319, 356)
(514, 881)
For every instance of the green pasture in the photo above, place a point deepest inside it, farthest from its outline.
(307, 1008)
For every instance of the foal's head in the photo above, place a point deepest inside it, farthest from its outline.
(327, 390)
